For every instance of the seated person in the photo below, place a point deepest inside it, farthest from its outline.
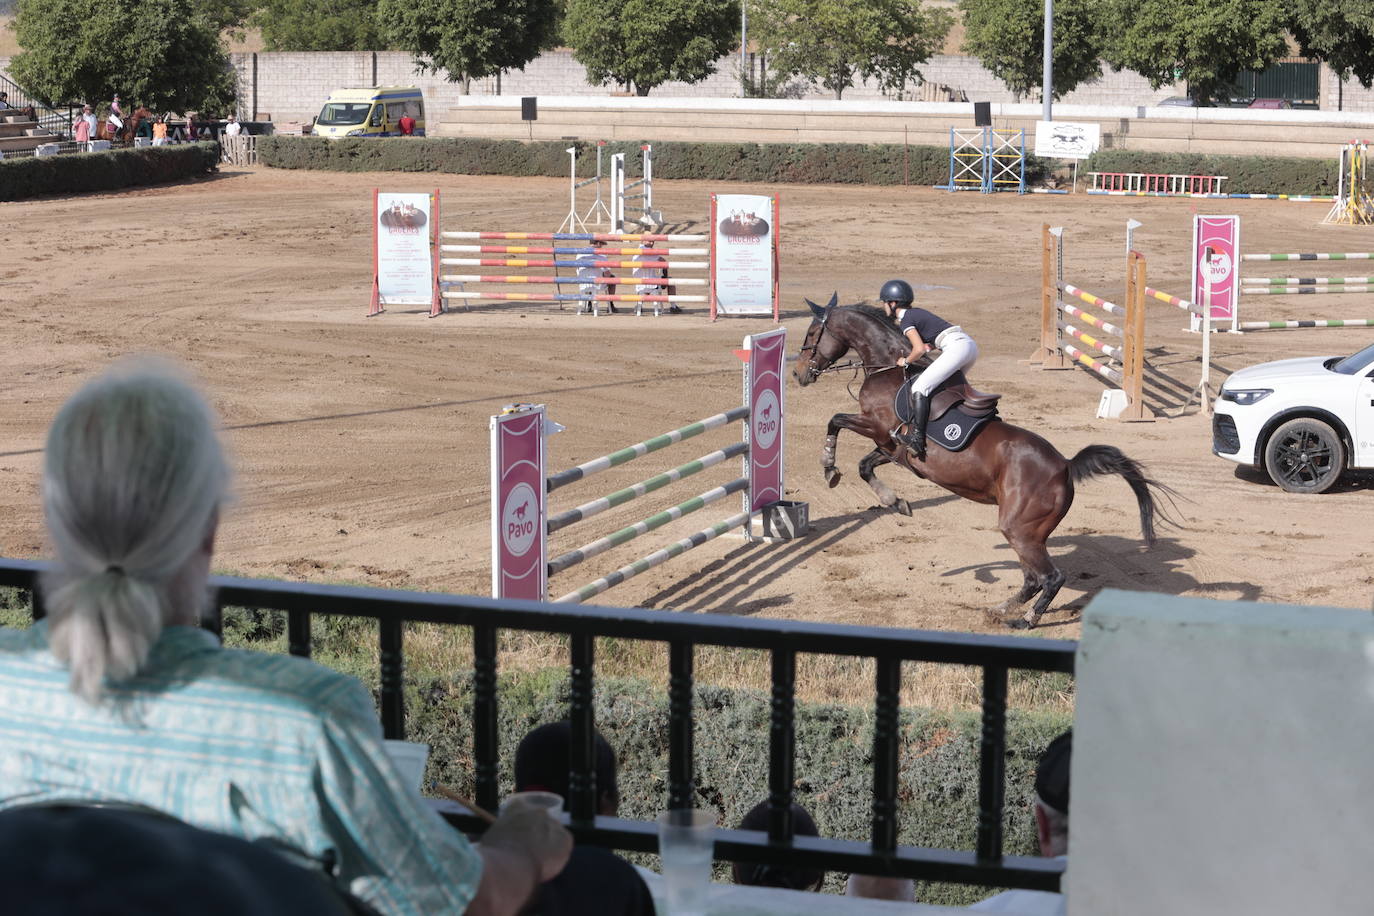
(544, 758)
(761, 875)
(117, 695)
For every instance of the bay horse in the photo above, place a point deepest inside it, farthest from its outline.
(1018, 471)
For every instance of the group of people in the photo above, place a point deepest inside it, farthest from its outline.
(591, 273)
(144, 127)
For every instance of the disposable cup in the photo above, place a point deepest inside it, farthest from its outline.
(551, 802)
(409, 758)
(686, 839)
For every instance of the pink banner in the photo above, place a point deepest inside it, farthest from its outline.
(517, 507)
(1222, 235)
(766, 353)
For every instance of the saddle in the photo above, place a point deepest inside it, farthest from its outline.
(958, 411)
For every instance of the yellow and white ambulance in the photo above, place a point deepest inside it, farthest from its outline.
(371, 111)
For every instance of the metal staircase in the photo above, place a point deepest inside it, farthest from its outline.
(21, 136)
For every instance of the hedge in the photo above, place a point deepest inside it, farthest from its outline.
(1244, 174)
(938, 757)
(771, 163)
(109, 170)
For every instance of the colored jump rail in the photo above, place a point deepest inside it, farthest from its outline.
(1170, 184)
(577, 236)
(581, 262)
(1204, 196)
(1099, 345)
(522, 524)
(1312, 256)
(574, 249)
(603, 281)
(1308, 323)
(571, 297)
(1174, 300)
(1070, 290)
(1100, 368)
(1307, 281)
(1302, 290)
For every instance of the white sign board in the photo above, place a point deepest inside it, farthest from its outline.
(1066, 140)
(403, 230)
(744, 255)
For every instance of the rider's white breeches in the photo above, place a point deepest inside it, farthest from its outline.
(957, 351)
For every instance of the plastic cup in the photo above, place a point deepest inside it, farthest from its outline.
(409, 758)
(551, 802)
(686, 840)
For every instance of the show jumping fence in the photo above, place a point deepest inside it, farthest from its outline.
(654, 271)
(986, 159)
(1306, 286)
(521, 523)
(1152, 184)
(1063, 325)
(614, 216)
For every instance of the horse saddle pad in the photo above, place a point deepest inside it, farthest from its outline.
(955, 418)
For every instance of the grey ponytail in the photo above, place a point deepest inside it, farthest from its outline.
(133, 479)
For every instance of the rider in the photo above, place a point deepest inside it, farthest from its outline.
(926, 331)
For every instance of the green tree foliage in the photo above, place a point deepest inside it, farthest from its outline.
(1340, 32)
(319, 25)
(469, 39)
(645, 43)
(1206, 42)
(834, 42)
(1008, 37)
(166, 54)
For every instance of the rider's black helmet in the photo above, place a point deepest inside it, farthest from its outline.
(898, 291)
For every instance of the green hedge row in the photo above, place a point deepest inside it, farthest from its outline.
(104, 171)
(774, 163)
(1244, 174)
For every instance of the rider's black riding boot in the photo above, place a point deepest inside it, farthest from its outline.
(920, 416)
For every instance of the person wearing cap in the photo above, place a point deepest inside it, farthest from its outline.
(926, 331)
(1051, 828)
(791, 877)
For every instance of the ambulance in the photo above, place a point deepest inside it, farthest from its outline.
(373, 111)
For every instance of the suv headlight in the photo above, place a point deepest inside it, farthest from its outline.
(1246, 396)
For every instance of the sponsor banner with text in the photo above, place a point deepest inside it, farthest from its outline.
(519, 564)
(405, 232)
(1222, 235)
(744, 255)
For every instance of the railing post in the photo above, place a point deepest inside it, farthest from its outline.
(888, 689)
(582, 770)
(782, 740)
(392, 659)
(485, 736)
(298, 633)
(681, 777)
(992, 752)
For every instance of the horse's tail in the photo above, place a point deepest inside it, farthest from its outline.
(1095, 460)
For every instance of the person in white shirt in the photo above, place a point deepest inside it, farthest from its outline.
(233, 128)
(655, 273)
(1052, 830)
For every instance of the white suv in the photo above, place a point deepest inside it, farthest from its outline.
(1305, 421)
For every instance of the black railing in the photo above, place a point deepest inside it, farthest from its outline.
(784, 640)
(50, 117)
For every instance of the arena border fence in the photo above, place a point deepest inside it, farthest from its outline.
(995, 657)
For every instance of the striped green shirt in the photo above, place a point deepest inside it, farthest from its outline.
(253, 745)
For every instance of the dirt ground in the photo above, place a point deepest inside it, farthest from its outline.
(361, 444)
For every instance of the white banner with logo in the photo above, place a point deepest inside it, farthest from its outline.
(404, 230)
(1066, 140)
(744, 255)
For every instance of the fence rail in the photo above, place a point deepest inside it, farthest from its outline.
(996, 656)
(240, 150)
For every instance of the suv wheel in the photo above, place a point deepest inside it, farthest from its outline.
(1304, 456)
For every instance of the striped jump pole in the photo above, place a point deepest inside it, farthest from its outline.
(1184, 304)
(1312, 256)
(1120, 362)
(1308, 323)
(575, 249)
(581, 262)
(577, 236)
(570, 297)
(1308, 281)
(601, 281)
(522, 523)
(1302, 290)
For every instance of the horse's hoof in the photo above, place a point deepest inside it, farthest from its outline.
(1020, 623)
(903, 507)
(832, 477)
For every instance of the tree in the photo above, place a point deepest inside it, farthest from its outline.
(832, 42)
(1340, 32)
(1207, 42)
(166, 54)
(1008, 37)
(319, 25)
(645, 43)
(469, 39)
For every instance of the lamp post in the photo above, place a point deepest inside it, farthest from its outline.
(1047, 76)
(743, 46)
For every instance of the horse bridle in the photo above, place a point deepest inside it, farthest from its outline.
(815, 373)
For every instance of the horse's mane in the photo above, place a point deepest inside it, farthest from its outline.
(875, 314)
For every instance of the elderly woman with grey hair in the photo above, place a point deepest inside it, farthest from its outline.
(118, 696)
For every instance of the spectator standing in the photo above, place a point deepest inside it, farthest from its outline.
(1051, 828)
(4, 100)
(88, 116)
(407, 125)
(160, 132)
(233, 128)
(117, 694)
(81, 130)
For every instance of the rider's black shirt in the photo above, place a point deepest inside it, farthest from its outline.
(927, 324)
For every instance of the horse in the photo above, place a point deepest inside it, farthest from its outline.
(1027, 478)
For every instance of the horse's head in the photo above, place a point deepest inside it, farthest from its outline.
(819, 350)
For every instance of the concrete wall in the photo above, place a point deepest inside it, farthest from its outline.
(1221, 759)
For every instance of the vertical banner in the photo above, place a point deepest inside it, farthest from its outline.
(518, 545)
(744, 255)
(1222, 235)
(405, 230)
(764, 393)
